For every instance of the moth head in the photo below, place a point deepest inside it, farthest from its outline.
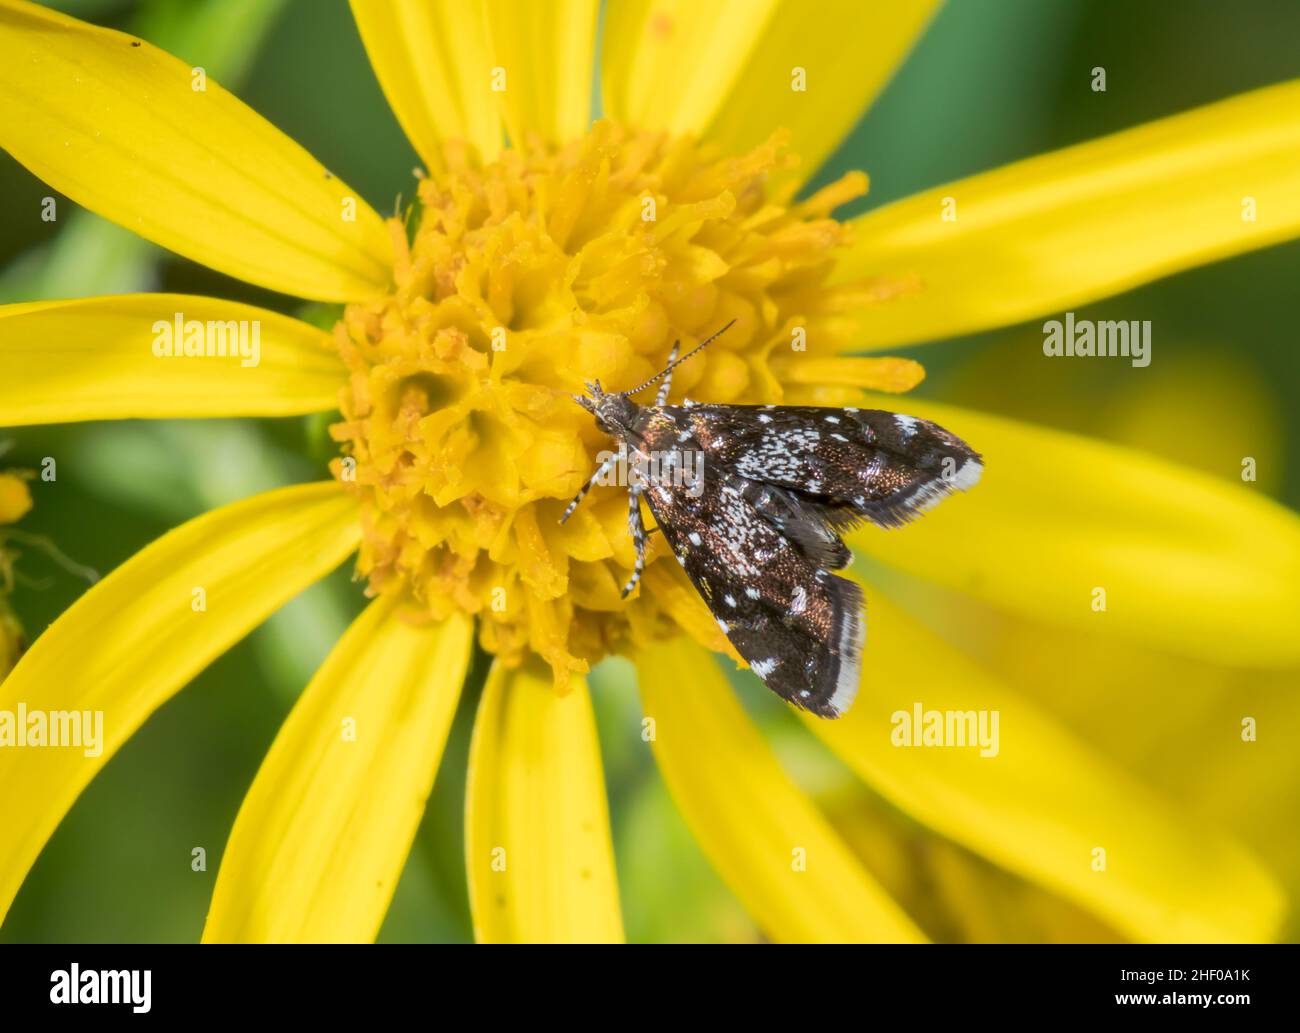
(615, 413)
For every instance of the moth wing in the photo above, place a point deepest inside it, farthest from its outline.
(845, 465)
(798, 627)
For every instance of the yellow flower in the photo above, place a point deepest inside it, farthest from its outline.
(15, 502)
(15, 498)
(581, 252)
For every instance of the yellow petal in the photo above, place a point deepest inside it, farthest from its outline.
(1150, 712)
(432, 59)
(134, 639)
(119, 357)
(537, 844)
(728, 69)
(893, 375)
(15, 497)
(1076, 532)
(767, 840)
(679, 599)
(1086, 222)
(324, 831)
(1043, 803)
(949, 890)
(547, 52)
(116, 125)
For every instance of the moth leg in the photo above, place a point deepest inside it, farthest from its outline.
(601, 470)
(637, 529)
(666, 386)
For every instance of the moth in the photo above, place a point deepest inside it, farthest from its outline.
(759, 533)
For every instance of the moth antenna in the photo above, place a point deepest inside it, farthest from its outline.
(673, 365)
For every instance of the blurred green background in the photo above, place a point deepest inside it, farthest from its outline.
(989, 83)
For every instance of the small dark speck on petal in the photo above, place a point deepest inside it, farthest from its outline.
(329, 174)
(135, 42)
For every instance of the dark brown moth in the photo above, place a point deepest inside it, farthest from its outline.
(753, 500)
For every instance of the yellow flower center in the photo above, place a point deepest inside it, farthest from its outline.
(521, 280)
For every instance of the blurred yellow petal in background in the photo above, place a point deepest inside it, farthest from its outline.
(1038, 802)
(1084, 533)
(15, 498)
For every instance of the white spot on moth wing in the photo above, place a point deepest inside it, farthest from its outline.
(695, 538)
(779, 456)
(799, 601)
(726, 628)
(906, 425)
(730, 600)
(763, 668)
(839, 437)
(851, 411)
(832, 419)
(684, 436)
(753, 593)
(764, 419)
